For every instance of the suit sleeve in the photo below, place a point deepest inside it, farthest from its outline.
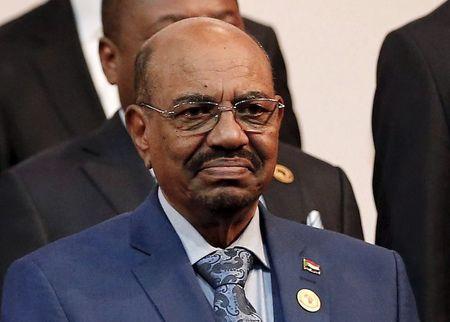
(406, 304)
(289, 132)
(411, 179)
(351, 220)
(28, 295)
(20, 225)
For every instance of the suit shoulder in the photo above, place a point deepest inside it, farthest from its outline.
(39, 179)
(61, 156)
(331, 244)
(316, 174)
(252, 25)
(24, 24)
(428, 27)
(263, 33)
(423, 43)
(98, 240)
(295, 158)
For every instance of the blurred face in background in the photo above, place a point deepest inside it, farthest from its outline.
(139, 20)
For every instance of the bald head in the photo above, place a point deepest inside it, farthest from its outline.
(207, 119)
(199, 46)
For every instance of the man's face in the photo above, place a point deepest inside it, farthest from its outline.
(225, 168)
(145, 18)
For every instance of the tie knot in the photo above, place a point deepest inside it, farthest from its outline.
(226, 266)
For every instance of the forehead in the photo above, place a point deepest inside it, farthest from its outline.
(160, 13)
(217, 70)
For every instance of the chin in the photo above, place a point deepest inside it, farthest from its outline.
(227, 200)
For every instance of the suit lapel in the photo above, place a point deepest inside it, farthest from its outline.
(166, 275)
(60, 64)
(115, 168)
(286, 250)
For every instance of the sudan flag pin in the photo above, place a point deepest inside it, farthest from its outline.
(310, 266)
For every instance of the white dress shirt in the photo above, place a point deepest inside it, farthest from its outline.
(258, 288)
(89, 26)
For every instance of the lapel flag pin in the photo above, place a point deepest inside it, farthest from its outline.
(310, 266)
(308, 300)
(283, 174)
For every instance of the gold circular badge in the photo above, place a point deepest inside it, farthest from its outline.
(308, 300)
(283, 174)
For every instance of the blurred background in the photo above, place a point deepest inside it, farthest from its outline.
(331, 50)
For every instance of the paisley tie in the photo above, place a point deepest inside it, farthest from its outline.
(227, 271)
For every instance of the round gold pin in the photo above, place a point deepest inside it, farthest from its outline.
(308, 300)
(283, 174)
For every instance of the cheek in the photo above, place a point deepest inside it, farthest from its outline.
(185, 147)
(266, 145)
(176, 149)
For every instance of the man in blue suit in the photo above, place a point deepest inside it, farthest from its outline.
(201, 248)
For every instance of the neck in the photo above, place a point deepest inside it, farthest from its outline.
(221, 225)
(221, 230)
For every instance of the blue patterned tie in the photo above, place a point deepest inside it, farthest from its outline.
(227, 271)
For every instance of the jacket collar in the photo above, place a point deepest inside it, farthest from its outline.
(167, 273)
(287, 246)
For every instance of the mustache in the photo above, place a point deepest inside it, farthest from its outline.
(197, 161)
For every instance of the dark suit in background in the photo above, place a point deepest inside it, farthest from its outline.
(289, 132)
(47, 95)
(92, 178)
(411, 129)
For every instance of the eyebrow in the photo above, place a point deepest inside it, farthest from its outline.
(223, 14)
(166, 20)
(177, 17)
(250, 95)
(197, 97)
(171, 17)
(193, 97)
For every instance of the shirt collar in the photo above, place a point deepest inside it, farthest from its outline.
(88, 19)
(197, 247)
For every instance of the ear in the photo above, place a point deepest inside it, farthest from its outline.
(109, 55)
(139, 128)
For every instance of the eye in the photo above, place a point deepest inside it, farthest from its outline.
(195, 110)
(252, 108)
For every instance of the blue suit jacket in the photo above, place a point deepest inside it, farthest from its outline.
(134, 268)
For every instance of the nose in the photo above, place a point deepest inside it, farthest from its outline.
(227, 134)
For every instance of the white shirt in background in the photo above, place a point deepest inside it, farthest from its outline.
(89, 26)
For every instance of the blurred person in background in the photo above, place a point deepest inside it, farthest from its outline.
(411, 131)
(53, 87)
